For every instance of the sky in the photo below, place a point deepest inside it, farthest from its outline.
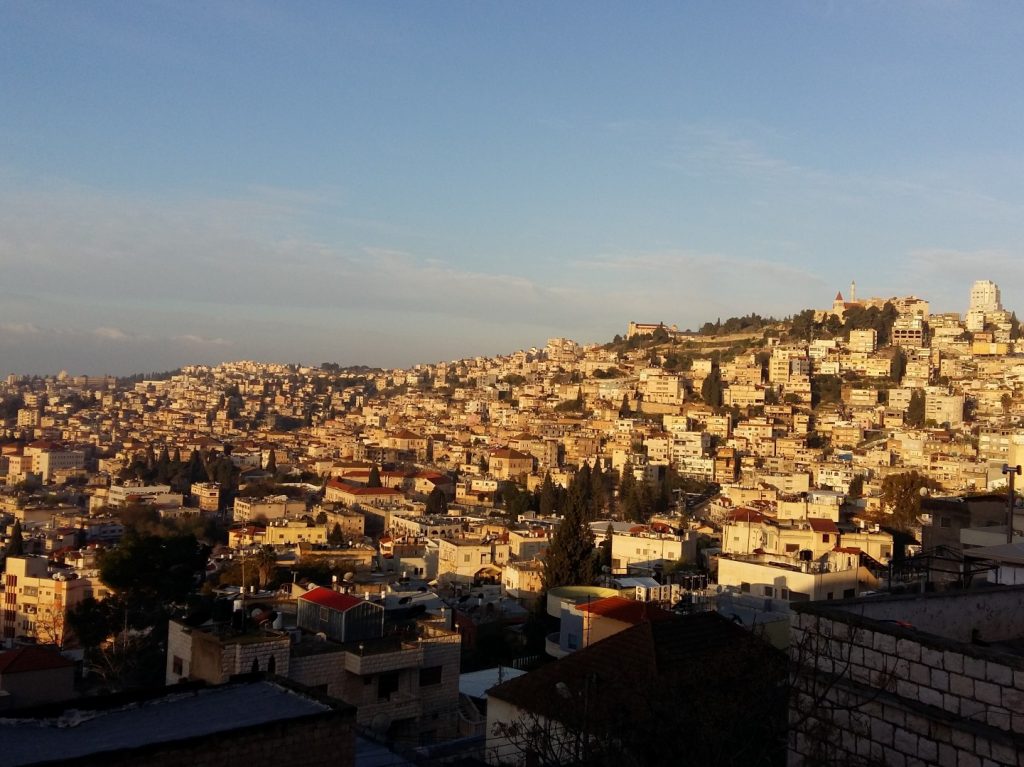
(393, 183)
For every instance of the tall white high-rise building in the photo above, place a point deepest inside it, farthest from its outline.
(985, 297)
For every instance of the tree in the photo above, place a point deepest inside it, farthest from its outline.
(548, 500)
(901, 495)
(915, 410)
(16, 546)
(598, 491)
(624, 409)
(196, 467)
(627, 492)
(271, 466)
(711, 388)
(336, 537)
(570, 557)
(256, 569)
(856, 486)
(163, 466)
(437, 502)
(899, 365)
(374, 478)
(122, 646)
(153, 569)
(825, 389)
(802, 325)
(515, 500)
(606, 547)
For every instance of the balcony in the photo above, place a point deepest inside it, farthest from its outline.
(408, 655)
(552, 647)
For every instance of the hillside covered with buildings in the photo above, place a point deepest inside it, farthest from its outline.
(404, 541)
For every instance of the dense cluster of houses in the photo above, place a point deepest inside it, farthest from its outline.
(770, 450)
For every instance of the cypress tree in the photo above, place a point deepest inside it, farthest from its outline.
(570, 557)
(374, 478)
(548, 496)
(16, 546)
(916, 410)
(336, 537)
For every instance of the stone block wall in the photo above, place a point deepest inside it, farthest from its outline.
(868, 691)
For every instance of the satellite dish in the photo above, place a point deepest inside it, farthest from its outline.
(347, 577)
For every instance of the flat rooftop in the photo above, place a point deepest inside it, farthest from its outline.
(79, 730)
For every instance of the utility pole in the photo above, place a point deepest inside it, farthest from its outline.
(1011, 472)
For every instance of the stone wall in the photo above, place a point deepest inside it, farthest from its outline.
(866, 691)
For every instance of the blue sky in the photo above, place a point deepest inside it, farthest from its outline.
(390, 183)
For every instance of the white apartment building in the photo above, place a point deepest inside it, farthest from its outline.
(985, 297)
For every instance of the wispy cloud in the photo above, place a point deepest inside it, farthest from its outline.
(19, 328)
(112, 334)
(751, 155)
(191, 338)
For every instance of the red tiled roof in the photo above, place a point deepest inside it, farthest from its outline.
(626, 610)
(358, 490)
(31, 659)
(747, 514)
(819, 525)
(326, 597)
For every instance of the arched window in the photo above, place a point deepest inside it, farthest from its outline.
(272, 665)
(255, 665)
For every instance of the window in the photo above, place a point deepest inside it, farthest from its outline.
(177, 666)
(824, 538)
(791, 547)
(430, 676)
(769, 591)
(745, 587)
(387, 683)
(849, 593)
(945, 522)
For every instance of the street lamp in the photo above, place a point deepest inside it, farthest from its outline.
(1010, 472)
